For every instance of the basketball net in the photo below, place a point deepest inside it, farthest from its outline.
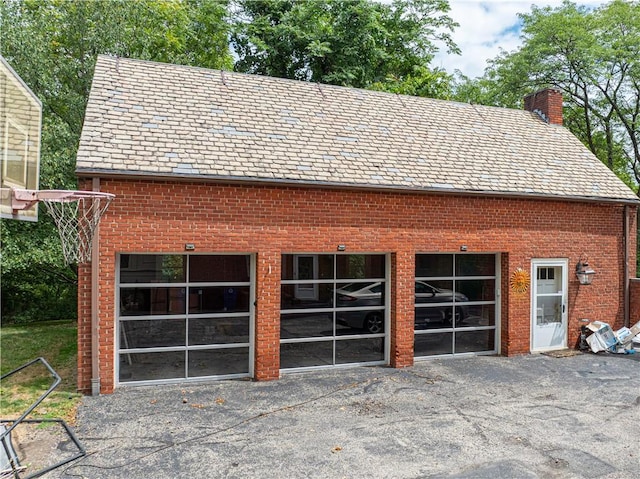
(76, 214)
(77, 217)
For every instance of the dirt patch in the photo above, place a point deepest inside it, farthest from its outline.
(370, 407)
(40, 446)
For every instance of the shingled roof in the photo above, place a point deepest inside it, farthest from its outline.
(148, 119)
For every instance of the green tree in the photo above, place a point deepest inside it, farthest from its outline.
(423, 81)
(355, 43)
(593, 57)
(53, 46)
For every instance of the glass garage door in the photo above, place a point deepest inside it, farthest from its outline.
(184, 317)
(333, 310)
(455, 304)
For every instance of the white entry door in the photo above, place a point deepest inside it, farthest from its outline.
(549, 304)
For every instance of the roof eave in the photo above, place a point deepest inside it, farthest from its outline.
(184, 177)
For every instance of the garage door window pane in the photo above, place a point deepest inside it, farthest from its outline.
(360, 322)
(475, 265)
(219, 268)
(357, 295)
(433, 344)
(152, 268)
(359, 350)
(434, 291)
(474, 341)
(293, 266)
(477, 289)
(152, 333)
(434, 265)
(304, 355)
(218, 299)
(218, 330)
(152, 301)
(151, 366)
(360, 266)
(218, 362)
(480, 315)
(306, 296)
(433, 317)
(306, 325)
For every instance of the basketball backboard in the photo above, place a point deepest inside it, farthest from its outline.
(20, 127)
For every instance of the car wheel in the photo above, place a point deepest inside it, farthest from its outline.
(374, 323)
(459, 316)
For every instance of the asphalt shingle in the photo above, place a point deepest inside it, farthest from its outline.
(156, 119)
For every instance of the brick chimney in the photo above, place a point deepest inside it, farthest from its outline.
(547, 104)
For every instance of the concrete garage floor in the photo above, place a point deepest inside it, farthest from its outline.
(483, 417)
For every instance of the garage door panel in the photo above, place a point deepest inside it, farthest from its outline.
(346, 299)
(432, 317)
(199, 328)
(457, 293)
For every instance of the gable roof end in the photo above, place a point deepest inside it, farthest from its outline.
(155, 120)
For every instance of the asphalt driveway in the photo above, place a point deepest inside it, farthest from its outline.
(482, 417)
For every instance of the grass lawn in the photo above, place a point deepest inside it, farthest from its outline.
(55, 341)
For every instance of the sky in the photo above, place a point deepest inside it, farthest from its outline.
(485, 28)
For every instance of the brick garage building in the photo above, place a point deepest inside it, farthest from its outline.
(264, 225)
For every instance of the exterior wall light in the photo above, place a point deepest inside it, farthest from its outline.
(342, 247)
(584, 273)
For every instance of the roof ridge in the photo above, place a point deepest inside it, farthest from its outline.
(231, 73)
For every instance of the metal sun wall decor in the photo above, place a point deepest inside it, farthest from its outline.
(520, 280)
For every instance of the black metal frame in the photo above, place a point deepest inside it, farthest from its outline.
(5, 436)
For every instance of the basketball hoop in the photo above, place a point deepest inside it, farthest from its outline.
(76, 214)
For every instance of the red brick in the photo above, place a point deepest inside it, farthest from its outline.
(162, 216)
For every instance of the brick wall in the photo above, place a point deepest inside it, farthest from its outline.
(634, 300)
(162, 216)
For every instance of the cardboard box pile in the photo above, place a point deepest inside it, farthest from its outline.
(622, 341)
